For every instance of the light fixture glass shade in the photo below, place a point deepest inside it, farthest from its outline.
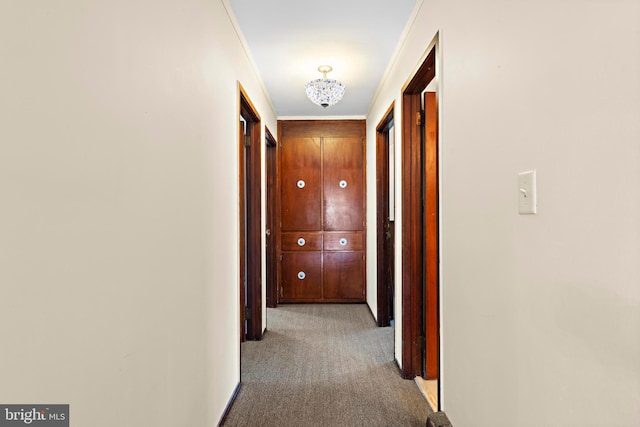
(325, 92)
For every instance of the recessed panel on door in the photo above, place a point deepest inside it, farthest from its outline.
(343, 241)
(300, 184)
(301, 276)
(343, 183)
(301, 241)
(344, 276)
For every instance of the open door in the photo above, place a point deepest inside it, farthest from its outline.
(431, 236)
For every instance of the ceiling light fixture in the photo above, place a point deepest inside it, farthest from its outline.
(325, 92)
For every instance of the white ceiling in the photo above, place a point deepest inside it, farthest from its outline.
(289, 39)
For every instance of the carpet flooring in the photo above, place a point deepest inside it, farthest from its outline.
(324, 365)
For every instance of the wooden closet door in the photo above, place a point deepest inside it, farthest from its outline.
(301, 191)
(322, 235)
(343, 184)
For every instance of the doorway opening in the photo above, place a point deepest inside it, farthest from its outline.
(385, 217)
(250, 216)
(271, 218)
(420, 229)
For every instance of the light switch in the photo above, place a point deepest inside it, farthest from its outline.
(527, 193)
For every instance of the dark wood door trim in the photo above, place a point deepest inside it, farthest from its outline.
(413, 251)
(242, 230)
(383, 233)
(250, 216)
(271, 219)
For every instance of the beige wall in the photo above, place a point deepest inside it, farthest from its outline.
(541, 314)
(118, 218)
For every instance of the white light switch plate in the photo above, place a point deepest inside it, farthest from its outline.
(527, 193)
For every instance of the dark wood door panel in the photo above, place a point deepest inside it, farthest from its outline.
(301, 241)
(322, 128)
(343, 184)
(343, 241)
(300, 184)
(301, 276)
(322, 221)
(344, 276)
(430, 231)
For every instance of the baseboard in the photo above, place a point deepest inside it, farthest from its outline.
(398, 366)
(229, 405)
(371, 313)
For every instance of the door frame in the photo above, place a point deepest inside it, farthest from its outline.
(250, 217)
(272, 214)
(384, 245)
(415, 277)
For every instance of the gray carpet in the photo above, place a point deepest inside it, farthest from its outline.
(324, 365)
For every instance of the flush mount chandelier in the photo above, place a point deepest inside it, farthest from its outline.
(325, 92)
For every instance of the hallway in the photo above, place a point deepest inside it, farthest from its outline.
(120, 219)
(324, 365)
